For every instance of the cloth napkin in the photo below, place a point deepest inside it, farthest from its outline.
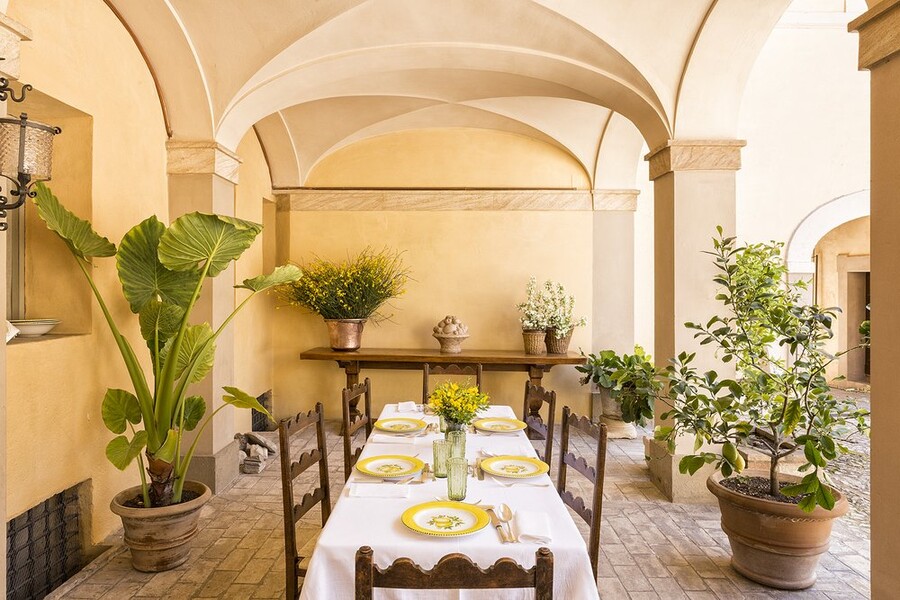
(532, 526)
(378, 490)
(408, 406)
(386, 438)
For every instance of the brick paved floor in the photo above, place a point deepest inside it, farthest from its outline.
(651, 549)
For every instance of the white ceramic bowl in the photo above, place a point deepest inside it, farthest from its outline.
(34, 327)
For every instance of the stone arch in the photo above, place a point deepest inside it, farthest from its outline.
(826, 217)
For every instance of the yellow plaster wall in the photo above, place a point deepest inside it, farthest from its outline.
(470, 264)
(252, 327)
(450, 157)
(83, 57)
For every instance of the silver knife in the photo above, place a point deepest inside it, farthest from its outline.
(495, 521)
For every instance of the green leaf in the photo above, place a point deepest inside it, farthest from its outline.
(143, 276)
(79, 236)
(280, 276)
(193, 349)
(241, 399)
(792, 416)
(160, 320)
(194, 409)
(196, 240)
(794, 490)
(120, 407)
(167, 451)
(808, 504)
(120, 451)
(824, 497)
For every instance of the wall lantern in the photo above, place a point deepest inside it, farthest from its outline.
(26, 151)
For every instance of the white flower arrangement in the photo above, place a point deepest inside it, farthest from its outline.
(549, 308)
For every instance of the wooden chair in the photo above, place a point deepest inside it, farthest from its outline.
(290, 470)
(451, 369)
(594, 474)
(454, 572)
(535, 398)
(351, 425)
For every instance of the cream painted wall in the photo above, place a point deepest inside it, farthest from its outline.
(253, 326)
(470, 264)
(452, 157)
(83, 57)
(805, 117)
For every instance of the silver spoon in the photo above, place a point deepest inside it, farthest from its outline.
(504, 513)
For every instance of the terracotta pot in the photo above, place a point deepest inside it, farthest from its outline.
(534, 341)
(345, 335)
(450, 344)
(557, 345)
(159, 538)
(774, 543)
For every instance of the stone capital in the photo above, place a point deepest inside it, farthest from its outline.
(879, 33)
(12, 34)
(189, 157)
(619, 199)
(695, 155)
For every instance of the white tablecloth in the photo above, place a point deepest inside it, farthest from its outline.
(375, 522)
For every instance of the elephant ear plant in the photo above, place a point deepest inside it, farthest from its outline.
(162, 271)
(780, 403)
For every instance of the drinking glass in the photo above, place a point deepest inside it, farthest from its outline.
(458, 473)
(458, 440)
(441, 449)
(443, 424)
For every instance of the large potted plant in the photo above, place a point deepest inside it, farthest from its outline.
(627, 385)
(779, 403)
(162, 271)
(348, 293)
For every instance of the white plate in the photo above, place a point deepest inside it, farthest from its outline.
(400, 425)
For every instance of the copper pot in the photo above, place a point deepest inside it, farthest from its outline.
(345, 334)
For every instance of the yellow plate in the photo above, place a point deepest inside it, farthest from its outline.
(518, 467)
(390, 466)
(499, 424)
(445, 519)
(400, 425)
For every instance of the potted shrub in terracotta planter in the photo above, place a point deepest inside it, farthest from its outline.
(778, 525)
(162, 271)
(627, 385)
(348, 293)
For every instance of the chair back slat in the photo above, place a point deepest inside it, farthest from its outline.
(595, 474)
(288, 429)
(307, 459)
(581, 465)
(454, 571)
(428, 370)
(536, 428)
(351, 424)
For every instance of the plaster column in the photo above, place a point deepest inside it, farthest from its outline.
(879, 52)
(12, 34)
(694, 192)
(202, 177)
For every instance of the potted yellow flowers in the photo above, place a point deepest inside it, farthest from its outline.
(348, 293)
(457, 404)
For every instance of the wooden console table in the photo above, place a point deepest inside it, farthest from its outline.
(413, 359)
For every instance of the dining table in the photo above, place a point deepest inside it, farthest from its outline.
(362, 516)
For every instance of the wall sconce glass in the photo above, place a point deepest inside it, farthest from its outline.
(26, 153)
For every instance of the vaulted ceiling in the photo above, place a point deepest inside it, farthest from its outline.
(595, 78)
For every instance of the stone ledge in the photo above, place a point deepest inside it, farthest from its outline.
(695, 155)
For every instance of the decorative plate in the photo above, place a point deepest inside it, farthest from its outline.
(445, 519)
(499, 425)
(519, 467)
(400, 425)
(390, 466)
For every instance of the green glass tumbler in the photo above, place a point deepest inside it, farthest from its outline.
(458, 474)
(458, 440)
(443, 424)
(441, 449)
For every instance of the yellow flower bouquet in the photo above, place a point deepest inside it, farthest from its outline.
(457, 403)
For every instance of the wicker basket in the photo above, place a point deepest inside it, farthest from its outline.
(557, 345)
(534, 341)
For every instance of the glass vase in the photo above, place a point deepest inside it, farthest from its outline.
(453, 426)
(441, 451)
(458, 473)
(457, 439)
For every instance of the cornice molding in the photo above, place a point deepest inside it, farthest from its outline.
(879, 33)
(300, 199)
(187, 157)
(695, 155)
(12, 34)
(625, 200)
